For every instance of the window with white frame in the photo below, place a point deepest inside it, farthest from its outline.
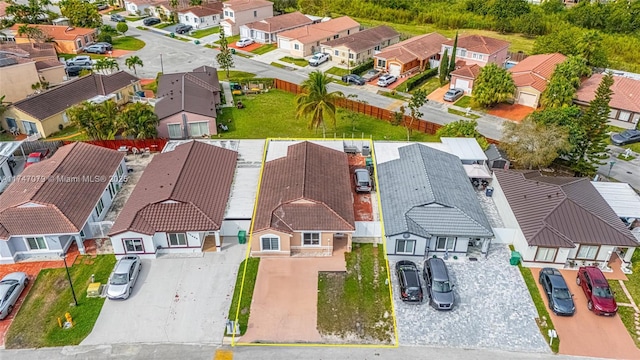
(546, 254)
(2, 174)
(405, 246)
(201, 20)
(311, 239)
(99, 207)
(120, 172)
(296, 46)
(336, 36)
(198, 129)
(445, 243)
(230, 13)
(175, 132)
(587, 252)
(187, 18)
(269, 243)
(350, 56)
(226, 13)
(36, 243)
(463, 52)
(177, 239)
(382, 63)
(118, 96)
(133, 245)
(112, 190)
(336, 52)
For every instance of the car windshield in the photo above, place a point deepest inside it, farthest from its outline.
(33, 160)
(602, 292)
(118, 279)
(413, 290)
(626, 134)
(562, 294)
(441, 286)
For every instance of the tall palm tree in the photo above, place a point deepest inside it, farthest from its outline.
(315, 102)
(139, 120)
(133, 61)
(106, 64)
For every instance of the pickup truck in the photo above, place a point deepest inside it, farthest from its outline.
(36, 157)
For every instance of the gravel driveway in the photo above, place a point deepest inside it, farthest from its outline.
(494, 309)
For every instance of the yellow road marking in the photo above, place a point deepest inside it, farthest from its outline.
(223, 355)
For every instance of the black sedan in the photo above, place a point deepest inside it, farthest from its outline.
(151, 21)
(557, 291)
(409, 279)
(625, 137)
(353, 79)
(183, 29)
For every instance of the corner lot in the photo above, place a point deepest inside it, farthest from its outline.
(494, 309)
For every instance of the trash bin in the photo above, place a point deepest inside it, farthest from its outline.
(489, 192)
(515, 258)
(242, 237)
(197, 42)
(233, 51)
(369, 162)
(172, 35)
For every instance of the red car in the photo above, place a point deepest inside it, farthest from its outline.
(36, 157)
(596, 288)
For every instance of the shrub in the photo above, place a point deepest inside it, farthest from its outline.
(105, 37)
(417, 80)
(362, 68)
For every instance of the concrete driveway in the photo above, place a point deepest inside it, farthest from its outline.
(178, 299)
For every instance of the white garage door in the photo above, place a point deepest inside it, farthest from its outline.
(527, 99)
(284, 44)
(394, 69)
(463, 84)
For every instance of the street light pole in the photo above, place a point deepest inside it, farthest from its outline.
(64, 258)
(161, 65)
(611, 163)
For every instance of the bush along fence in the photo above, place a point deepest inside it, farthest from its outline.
(362, 68)
(417, 80)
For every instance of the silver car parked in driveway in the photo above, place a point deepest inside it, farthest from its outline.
(11, 286)
(123, 277)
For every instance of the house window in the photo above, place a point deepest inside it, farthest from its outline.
(255, 13)
(350, 56)
(335, 52)
(463, 53)
(78, 44)
(587, 252)
(112, 190)
(36, 243)
(99, 207)
(201, 20)
(175, 132)
(133, 245)
(546, 254)
(226, 13)
(348, 32)
(86, 39)
(445, 243)
(198, 129)
(311, 239)
(136, 87)
(336, 36)
(405, 246)
(82, 234)
(118, 96)
(187, 18)
(269, 243)
(2, 174)
(624, 116)
(231, 13)
(382, 63)
(11, 123)
(296, 46)
(178, 239)
(377, 48)
(120, 172)
(65, 117)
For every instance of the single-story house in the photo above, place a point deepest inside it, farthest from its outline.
(622, 199)
(187, 103)
(45, 112)
(203, 16)
(266, 31)
(139, 7)
(57, 201)
(625, 100)
(179, 201)
(67, 40)
(305, 204)
(559, 221)
(531, 76)
(429, 205)
(496, 158)
(464, 77)
(239, 12)
(361, 46)
(417, 53)
(306, 40)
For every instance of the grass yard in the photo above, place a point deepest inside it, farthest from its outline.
(36, 324)
(626, 315)
(71, 56)
(278, 65)
(337, 71)
(246, 56)
(617, 291)
(295, 61)
(622, 157)
(128, 43)
(264, 49)
(230, 39)
(464, 102)
(633, 286)
(249, 274)
(162, 25)
(357, 303)
(71, 133)
(462, 113)
(273, 115)
(6, 137)
(235, 75)
(392, 94)
(115, 11)
(133, 18)
(199, 34)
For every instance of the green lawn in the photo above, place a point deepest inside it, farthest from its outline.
(264, 49)
(6, 137)
(163, 25)
(337, 71)
(71, 56)
(36, 324)
(392, 94)
(128, 43)
(132, 18)
(230, 39)
(241, 307)
(246, 56)
(622, 157)
(115, 11)
(633, 286)
(235, 75)
(358, 302)
(296, 61)
(278, 65)
(199, 34)
(68, 131)
(462, 113)
(626, 315)
(464, 102)
(272, 115)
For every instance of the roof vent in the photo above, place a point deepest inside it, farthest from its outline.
(525, 196)
(549, 196)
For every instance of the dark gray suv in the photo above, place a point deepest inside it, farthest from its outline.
(439, 286)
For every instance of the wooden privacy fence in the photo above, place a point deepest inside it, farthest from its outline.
(152, 144)
(31, 146)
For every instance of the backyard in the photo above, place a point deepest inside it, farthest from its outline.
(70, 133)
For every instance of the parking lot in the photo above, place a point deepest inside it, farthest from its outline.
(493, 310)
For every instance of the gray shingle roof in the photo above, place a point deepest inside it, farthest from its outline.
(427, 192)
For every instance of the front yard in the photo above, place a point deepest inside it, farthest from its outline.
(129, 43)
(199, 34)
(264, 49)
(356, 305)
(240, 308)
(36, 324)
(295, 61)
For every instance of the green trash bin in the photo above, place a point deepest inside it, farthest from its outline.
(515, 258)
(172, 35)
(233, 51)
(197, 42)
(242, 237)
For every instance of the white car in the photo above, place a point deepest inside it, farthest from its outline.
(123, 277)
(319, 58)
(244, 42)
(82, 60)
(386, 80)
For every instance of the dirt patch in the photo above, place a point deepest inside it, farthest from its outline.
(514, 112)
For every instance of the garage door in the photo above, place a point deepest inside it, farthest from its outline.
(394, 69)
(463, 84)
(527, 99)
(284, 44)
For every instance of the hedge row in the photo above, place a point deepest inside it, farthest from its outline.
(362, 68)
(417, 80)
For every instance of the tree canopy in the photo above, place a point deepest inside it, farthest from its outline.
(81, 13)
(315, 102)
(463, 128)
(564, 82)
(492, 86)
(533, 145)
(104, 121)
(224, 57)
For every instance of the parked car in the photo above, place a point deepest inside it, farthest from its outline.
(371, 75)
(363, 180)
(244, 42)
(106, 45)
(151, 21)
(409, 279)
(123, 277)
(557, 291)
(319, 58)
(353, 79)
(11, 286)
(439, 287)
(73, 70)
(82, 60)
(600, 298)
(101, 7)
(95, 49)
(625, 137)
(453, 94)
(118, 18)
(386, 80)
(183, 28)
(36, 157)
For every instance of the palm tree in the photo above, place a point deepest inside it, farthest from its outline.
(133, 61)
(30, 32)
(104, 64)
(315, 102)
(139, 120)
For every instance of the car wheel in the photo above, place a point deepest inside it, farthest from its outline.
(590, 305)
(578, 281)
(26, 282)
(9, 309)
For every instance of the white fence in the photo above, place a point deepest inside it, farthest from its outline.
(100, 229)
(368, 229)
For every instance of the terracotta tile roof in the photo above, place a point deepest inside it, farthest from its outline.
(364, 40)
(62, 97)
(479, 44)
(626, 92)
(420, 47)
(561, 211)
(206, 9)
(186, 189)
(57, 207)
(281, 22)
(536, 70)
(321, 30)
(57, 32)
(243, 5)
(3, 9)
(193, 92)
(45, 64)
(38, 51)
(309, 189)
(467, 71)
